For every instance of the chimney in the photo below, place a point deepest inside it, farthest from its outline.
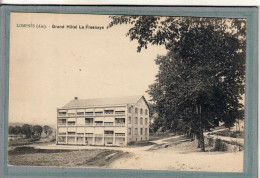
(75, 98)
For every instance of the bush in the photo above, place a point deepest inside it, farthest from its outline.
(131, 143)
(220, 146)
(53, 140)
(210, 141)
(34, 138)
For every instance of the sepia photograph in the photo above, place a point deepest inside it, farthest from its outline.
(138, 92)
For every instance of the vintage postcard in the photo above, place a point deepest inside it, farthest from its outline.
(127, 92)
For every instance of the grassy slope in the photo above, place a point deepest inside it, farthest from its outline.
(29, 156)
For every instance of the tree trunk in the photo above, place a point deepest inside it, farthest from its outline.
(238, 125)
(202, 140)
(202, 143)
(199, 140)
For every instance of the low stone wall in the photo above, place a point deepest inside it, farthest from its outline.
(223, 145)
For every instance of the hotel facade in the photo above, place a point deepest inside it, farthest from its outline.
(103, 121)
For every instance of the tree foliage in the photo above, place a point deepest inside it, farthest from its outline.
(37, 130)
(14, 130)
(26, 129)
(47, 130)
(201, 79)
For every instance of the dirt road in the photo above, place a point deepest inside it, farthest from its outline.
(171, 159)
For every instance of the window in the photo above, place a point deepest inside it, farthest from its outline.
(136, 131)
(146, 112)
(130, 109)
(129, 131)
(88, 121)
(62, 113)
(141, 111)
(89, 113)
(109, 111)
(61, 139)
(80, 113)
(98, 122)
(129, 120)
(145, 121)
(136, 120)
(71, 123)
(141, 121)
(71, 133)
(145, 131)
(62, 122)
(120, 121)
(98, 113)
(108, 132)
(141, 131)
(136, 111)
(120, 112)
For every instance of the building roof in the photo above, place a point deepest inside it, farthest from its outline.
(115, 101)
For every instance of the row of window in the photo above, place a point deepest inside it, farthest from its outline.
(136, 120)
(136, 131)
(110, 133)
(97, 123)
(136, 110)
(107, 112)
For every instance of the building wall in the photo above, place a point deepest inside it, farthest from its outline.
(72, 127)
(142, 113)
(111, 128)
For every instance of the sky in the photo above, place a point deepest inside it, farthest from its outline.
(48, 67)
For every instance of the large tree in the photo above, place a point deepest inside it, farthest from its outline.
(201, 79)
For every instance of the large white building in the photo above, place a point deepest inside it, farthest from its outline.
(103, 121)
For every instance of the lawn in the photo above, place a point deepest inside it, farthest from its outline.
(28, 156)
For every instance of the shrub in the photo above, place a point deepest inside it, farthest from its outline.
(53, 140)
(210, 141)
(131, 143)
(220, 146)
